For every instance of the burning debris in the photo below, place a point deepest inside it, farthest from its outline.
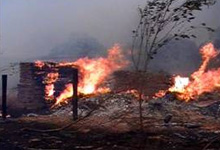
(201, 81)
(109, 99)
(105, 108)
(53, 81)
(170, 121)
(58, 87)
(92, 73)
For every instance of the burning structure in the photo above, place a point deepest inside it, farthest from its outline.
(166, 118)
(131, 118)
(36, 84)
(51, 81)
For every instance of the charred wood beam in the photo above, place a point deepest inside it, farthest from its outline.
(75, 94)
(4, 96)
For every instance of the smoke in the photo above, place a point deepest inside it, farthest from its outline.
(30, 29)
(78, 46)
(33, 29)
(217, 38)
(183, 57)
(209, 16)
(177, 57)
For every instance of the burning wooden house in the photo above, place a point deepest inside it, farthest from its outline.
(49, 82)
(40, 82)
(46, 84)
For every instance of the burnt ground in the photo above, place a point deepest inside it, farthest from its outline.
(32, 134)
(111, 121)
(191, 126)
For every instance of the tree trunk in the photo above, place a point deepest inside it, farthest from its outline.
(140, 112)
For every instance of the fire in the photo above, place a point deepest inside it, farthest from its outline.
(49, 90)
(200, 81)
(135, 93)
(39, 64)
(67, 93)
(180, 84)
(93, 71)
(49, 80)
(160, 93)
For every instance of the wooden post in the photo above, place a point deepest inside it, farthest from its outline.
(4, 96)
(75, 94)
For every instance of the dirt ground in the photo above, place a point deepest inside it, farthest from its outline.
(168, 124)
(57, 133)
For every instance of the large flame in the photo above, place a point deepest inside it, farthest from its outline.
(180, 84)
(92, 73)
(201, 81)
(39, 64)
(67, 93)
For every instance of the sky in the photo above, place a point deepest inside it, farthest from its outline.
(32, 28)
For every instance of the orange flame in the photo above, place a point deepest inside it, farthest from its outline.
(39, 64)
(180, 84)
(49, 91)
(67, 93)
(201, 80)
(49, 80)
(160, 93)
(92, 73)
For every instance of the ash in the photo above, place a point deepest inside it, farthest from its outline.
(104, 105)
(118, 105)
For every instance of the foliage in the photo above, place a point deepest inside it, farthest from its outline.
(162, 21)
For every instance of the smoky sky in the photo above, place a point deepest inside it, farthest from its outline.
(31, 28)
(177, 57)
(37, 28)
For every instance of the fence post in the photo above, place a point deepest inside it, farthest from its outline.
(75, 94)
(4, 96)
